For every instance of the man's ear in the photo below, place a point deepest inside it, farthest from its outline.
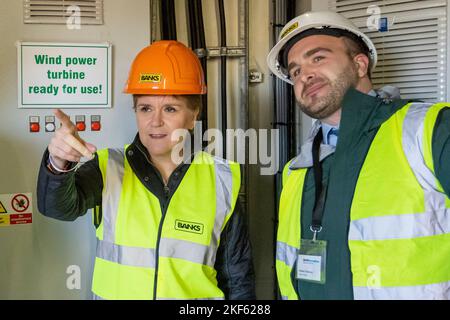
(362, 64)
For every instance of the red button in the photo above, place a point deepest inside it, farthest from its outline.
(81, 126)
(95, 126)
(35, 127)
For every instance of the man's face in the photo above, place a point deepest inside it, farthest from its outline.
(158, 117)
(322, 72)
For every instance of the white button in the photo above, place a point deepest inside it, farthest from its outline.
(50, 127)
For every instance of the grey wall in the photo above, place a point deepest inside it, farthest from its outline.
(34, 258)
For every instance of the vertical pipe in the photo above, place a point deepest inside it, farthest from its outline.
(154, 4)
(168, 22)
(291, 102)
(223, 73)
(198, 43)
(192, 20)
(203, 60)
(244, 94)
(172, 20)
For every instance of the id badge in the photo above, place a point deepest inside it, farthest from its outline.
(311, 261)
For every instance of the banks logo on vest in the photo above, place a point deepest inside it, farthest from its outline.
(188, 226)
(149, 77)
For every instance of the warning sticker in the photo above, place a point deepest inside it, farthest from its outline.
(20, 218)
(4, 220)
(2, 208)
(16, 209)
(20, 202)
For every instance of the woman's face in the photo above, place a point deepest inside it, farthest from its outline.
(158, 117)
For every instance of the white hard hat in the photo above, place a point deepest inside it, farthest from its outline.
(321, 21)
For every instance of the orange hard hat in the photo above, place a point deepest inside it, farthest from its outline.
(166, 68)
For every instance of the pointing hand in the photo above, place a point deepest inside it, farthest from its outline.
(66, 144)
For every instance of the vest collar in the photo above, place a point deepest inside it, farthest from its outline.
(362, 112)
(370, 111)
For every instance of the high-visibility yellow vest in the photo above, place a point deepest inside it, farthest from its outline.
(399, 235)
(138, 248)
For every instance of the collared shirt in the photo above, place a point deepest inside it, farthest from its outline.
(330, 134)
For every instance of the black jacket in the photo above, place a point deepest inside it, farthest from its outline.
(69, 196)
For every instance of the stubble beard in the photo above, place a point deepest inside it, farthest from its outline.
(323, 107)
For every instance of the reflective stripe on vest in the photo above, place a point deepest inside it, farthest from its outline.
(288, 235)
(437, 291)
(399, 231)
(184, 251)
(111, 193)
(129, 256)
(285, 260)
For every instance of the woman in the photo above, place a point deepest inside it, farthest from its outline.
(165, 229)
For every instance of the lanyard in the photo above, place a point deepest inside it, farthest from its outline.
(321, 191)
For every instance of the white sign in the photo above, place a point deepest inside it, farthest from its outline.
(66, 75)
(15, 209)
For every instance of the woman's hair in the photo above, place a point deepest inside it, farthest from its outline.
(193, 102)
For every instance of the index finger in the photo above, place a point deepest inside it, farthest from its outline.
(64, 118)
(78, 146)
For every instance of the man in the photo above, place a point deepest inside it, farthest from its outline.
(365, 209)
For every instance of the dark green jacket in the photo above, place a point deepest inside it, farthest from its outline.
(362, 116)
